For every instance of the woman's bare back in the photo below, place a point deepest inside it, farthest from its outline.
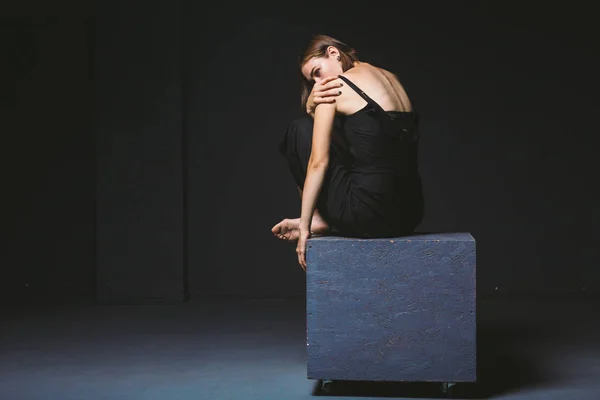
(379, 84)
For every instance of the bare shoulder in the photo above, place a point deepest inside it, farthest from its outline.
(369, 74)
(360, 72)
(382, 85)
(362, 76)
(386, 75)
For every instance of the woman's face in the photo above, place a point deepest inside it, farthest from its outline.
(318, 68)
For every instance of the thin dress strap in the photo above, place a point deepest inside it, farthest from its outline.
(362, 94)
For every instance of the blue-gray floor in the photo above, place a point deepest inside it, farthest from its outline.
(255, 349)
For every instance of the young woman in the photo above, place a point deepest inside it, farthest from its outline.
(355, 160)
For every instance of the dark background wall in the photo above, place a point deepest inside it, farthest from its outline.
(507, 94)
(139, 246)
(47, 152)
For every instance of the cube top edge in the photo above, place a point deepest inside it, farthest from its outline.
(417, 236)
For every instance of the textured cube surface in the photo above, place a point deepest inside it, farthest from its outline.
(397, 309)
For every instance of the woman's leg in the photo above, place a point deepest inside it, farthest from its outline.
(288, 229)
(296, 147)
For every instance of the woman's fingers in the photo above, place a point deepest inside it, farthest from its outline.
(326, 84)
(301, 248)
(327, 96)
(329, 90)
(321, 100)
(327, 80)
(299, 253)
(333, 92)
(332, 85)
(302, 260)
(276, 230)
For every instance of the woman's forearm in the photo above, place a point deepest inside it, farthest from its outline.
(318, 162)
(315, 175)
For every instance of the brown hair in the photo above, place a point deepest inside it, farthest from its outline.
(317, 47)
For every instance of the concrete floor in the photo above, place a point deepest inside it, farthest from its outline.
(255, 349)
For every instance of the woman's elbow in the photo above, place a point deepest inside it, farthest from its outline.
(319, 165)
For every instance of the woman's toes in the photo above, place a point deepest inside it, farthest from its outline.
(276, 229)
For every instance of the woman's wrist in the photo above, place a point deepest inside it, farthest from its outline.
(304, 227)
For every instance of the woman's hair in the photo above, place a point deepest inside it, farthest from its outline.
(317, 47)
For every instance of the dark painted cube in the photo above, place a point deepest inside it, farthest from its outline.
(397, 309)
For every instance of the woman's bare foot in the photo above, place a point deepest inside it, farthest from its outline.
(318, 225)
(288, 229)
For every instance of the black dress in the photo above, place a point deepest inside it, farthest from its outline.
(372, 187)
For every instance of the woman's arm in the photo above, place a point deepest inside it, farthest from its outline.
(318, 162)
(323, 92)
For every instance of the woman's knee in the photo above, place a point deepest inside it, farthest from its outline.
(301, 129)
(298, 141)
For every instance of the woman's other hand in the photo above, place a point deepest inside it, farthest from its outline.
(301, 248)
(323, 92)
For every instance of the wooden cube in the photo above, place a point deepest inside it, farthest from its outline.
(397, 309)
